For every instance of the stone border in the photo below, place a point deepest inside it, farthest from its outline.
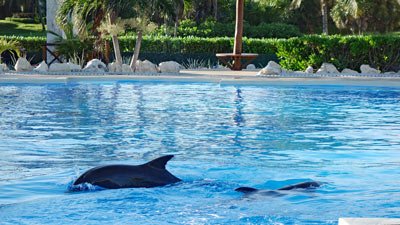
(222, 77)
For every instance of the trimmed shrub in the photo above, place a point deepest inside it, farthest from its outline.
(196, 45)
(379, 51)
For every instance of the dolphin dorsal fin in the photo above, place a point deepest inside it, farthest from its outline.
(160, 162)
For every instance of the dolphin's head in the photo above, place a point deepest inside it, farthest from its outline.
(246, 189)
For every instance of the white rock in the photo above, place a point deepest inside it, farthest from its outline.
(96, 66)
(389, 73)
(59, 67)
(251, 67)
(74, 67)
(349, 71)
(309, 69)
(3, 68)
(42, 67)
(272, 68)
(23, 65)
(327, 68)
(126, 68)
(114, 67)
(366, 69)
(169, 67)
(145, 67)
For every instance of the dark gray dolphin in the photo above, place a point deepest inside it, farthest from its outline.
(151, 174)
(302, 185)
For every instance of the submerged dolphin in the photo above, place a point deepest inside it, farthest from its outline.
(151, 174)
(302, 185)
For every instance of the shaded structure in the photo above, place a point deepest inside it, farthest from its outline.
(237, 60)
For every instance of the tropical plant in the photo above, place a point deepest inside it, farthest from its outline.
(360, 16)
(88, 15)
(324, 4)
(9, 45)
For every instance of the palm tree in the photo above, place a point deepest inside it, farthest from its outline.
(91, 14)
(368, 15)
(324, 11)
(161, 8)
(85, 14)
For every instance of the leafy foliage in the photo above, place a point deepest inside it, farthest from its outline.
(379, 51)
(9, 45)
(211, 28)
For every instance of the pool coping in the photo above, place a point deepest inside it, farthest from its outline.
(223, 77)
(369, 221)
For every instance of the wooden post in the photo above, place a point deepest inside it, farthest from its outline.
(237, 48)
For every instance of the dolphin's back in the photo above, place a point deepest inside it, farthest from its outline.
(151, 174)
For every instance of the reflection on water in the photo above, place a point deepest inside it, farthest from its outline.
(223, 137)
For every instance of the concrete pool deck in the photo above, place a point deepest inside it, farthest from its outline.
(223, 77)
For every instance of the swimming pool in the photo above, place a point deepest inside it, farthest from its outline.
(223, 137)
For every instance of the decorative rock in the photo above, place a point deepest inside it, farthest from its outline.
(349, 71)
(272, 68)
(74, 67)
(23, 65)
(145, 67)
(96, 66)
(169, 67)
(389, 73)
(114, 67)
(3, 68)
(126, 68)
(42, 67)
(327, 68)
(59, 67)
(366, 69)
(251, 67)
(310, 69)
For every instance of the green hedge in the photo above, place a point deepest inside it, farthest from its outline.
(196, 45)
(379, 51)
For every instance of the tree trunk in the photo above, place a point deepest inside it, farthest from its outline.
(117, 51)
(215, 8)
(324, 10)
(136, 51)
(176, 25)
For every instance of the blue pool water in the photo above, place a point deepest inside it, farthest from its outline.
(223, 137)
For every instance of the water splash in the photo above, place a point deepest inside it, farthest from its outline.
(83, 187)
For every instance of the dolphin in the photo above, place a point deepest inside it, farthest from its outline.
(151, 174)
(302, 185)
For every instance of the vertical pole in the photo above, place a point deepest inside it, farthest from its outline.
(237, 48)
(239, 27)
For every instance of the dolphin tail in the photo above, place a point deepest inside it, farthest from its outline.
(246, 189)
(160, 162)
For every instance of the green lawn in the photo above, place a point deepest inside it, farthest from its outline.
(10, 28)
